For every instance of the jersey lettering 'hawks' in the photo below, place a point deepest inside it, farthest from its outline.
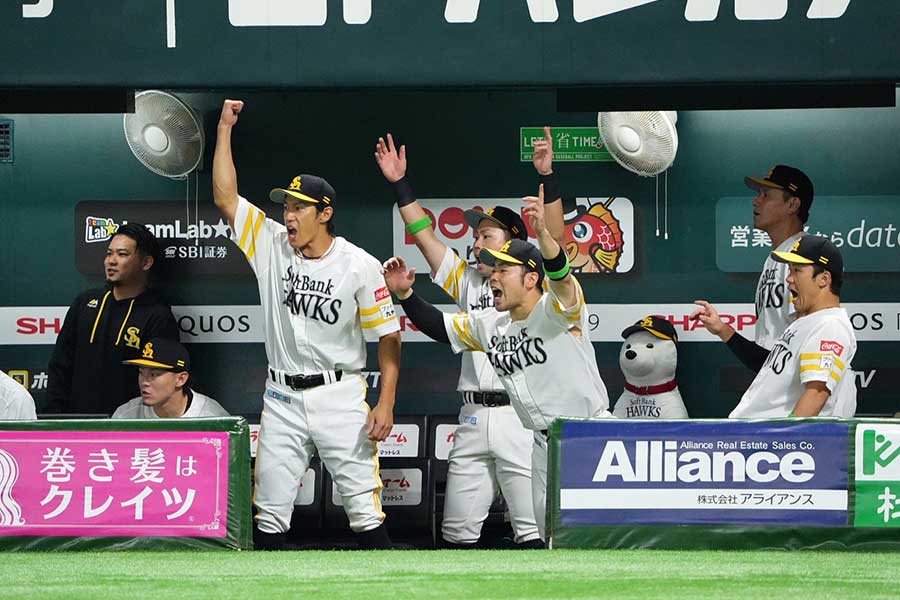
(516, 352)
(311, 297)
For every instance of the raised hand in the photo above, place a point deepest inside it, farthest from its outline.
(709, 316)
(398, 277)
(391, 162)
(230, 111)
(534, 211)
(543, 153)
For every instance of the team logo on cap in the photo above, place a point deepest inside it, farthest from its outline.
(505, 247)
(296, 184)
(148, 350)
(795, 246)
(647, 322)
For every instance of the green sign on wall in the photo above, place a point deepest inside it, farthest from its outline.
(570, 144)
(866, 229)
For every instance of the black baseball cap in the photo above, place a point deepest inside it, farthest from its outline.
(658, 326)
(506, 218)
(791, 180)
(307, 188)
(163, 353)
(517, 252)
(814, 250)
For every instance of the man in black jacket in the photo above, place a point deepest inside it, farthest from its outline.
(105, 326)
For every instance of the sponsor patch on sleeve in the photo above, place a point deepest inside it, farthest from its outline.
(826, 362)
(830, 346)
(382, 293)
(387, 311)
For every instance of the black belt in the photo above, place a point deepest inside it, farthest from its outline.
(486, 398)
(303, 382)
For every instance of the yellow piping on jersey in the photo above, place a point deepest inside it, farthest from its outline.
(259, 221)
(817, 356)
(379, 485)
(246, 230)
(451, 284)
(368, 312)
(125, 320)
(461, 325)
(377, 322)
(99, 312)
(835, 375)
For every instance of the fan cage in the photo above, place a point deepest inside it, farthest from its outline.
(181, 126)
(658, 140)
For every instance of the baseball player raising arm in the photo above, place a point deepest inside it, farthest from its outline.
(807, 373)
(323, 298)
(491, 449)
(536, 341)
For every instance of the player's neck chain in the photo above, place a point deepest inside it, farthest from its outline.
(302, 256)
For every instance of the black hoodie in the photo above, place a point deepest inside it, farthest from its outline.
(86, 374)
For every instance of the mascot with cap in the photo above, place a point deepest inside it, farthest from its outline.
(648, 359)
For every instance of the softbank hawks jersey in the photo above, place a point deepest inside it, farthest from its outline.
(817, 347)
(774, 309)
(318, 313)
(546, 362)
(470, 291)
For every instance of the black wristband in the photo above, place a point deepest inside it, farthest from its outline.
(557, 263)
(404, 191)
(551, 188)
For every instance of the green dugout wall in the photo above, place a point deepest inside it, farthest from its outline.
(457, 93)
(461, 145)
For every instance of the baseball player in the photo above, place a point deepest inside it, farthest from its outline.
(806, 373)
(105, 326)
(16, 404)
(537, 342)
(323, 298)
(163, 372)
(780, 208)
(491, 449)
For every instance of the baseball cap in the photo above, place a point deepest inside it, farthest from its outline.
(506, 218)
(792, 180)
(658, 326)
(308, 188)
(163, 353)
(813, 250)
(517, 252)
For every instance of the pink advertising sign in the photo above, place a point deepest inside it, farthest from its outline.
(113, 483)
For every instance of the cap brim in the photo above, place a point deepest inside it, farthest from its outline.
(791, 258)
(754, 183)
(475, 217)
(635, 328)
(140, 362)
(493, 256)
(277, 195)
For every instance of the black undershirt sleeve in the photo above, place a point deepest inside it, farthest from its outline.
(426, 317)
(752, 355)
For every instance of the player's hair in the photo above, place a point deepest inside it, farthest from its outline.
(837, 280)
(803, 212)
(145, 242)
(540, 282)
(329, 224)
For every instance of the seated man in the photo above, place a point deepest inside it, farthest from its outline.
(807, 373)
(163, 373)
(16, 404)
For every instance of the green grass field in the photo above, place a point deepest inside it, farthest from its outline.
(450, 575)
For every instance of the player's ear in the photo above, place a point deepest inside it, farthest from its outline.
(326, 214)
(147, 264)
(531, 280)
(825, 279)
(182, 379)
(793, 205)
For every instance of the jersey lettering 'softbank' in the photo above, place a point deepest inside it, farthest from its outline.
(311, 297)
(516, 352)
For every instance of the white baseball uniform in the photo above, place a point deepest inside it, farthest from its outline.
(547, 366)
(774, 309)
(491, 448)
(16, 404)
(817, 347)
(200, 406)
(319, 313)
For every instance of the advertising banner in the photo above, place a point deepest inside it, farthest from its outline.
(866, 229)
(570, 144)
(79, 483)
(727, 473)
(599, 232)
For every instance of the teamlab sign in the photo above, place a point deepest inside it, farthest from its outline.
(704, 473)
(114, 483)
